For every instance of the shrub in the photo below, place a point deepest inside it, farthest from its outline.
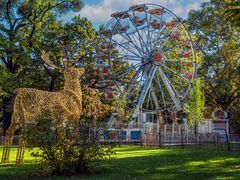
(59, 155)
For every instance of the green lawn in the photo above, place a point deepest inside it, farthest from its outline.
(148, 163)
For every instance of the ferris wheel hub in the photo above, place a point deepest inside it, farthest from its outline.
(157, 58)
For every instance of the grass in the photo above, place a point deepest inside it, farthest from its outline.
(134, 162)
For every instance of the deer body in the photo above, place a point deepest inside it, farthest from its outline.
(30, 104)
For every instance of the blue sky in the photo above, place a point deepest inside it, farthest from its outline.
(99, 11)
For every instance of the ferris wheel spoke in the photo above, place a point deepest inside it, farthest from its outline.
(169, 88)
(145, 36)
(139, 36)
(127, 58)
(132, 81)
(149, 40)
(148, 99)
(173, 86)
(127, 49)
(128, 70)
(154, 96)
(129, 46)
(174, 72)
(127, 37)
(135, 44)
(124, 55)
(168, 36)
(179, 83)
(158, 38)
(157, 80)
(140, 28)
(137, 41)
(160, 30)
(178, 60)
(170, 49)
(137, 31)
(135, 38)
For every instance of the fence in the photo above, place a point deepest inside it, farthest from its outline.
(167, 134)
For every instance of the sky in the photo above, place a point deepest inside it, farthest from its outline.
(99, 11)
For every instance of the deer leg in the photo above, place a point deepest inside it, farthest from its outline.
(8, 142)
(59, 120)
(21, 149)
(74, 131)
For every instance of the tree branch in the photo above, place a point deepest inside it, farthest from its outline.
(8, 14)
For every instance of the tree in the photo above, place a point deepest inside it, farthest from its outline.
(218, 43)
(56, 155)
(196, 103)
(21, 23)
(93, 105)
(233, 12)
(123, 108)
(73, 41)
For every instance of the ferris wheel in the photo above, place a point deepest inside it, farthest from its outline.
(155, 52)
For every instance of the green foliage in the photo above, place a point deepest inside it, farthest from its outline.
(73, 41)
(233, 12)
(94, 108)
(218, 43)
(22, 25)
(121, 105)
(57, 154)
(196, 103)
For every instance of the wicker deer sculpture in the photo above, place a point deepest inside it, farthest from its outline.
(63, 107)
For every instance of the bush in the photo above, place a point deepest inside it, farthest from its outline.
(59, 155)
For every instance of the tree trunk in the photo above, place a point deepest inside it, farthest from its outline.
(7, 113)
(52, 84)
(195, 128)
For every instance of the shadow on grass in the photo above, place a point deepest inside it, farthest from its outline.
(13, 171)
(175, 164)
(151, 163)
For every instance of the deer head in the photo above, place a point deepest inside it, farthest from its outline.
(69, 71)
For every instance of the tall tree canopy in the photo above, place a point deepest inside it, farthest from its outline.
(21, 21)
(27, 28)
(218, 42)
(21, 25)
(233, 12)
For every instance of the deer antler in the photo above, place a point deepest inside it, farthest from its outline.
(46, 59)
